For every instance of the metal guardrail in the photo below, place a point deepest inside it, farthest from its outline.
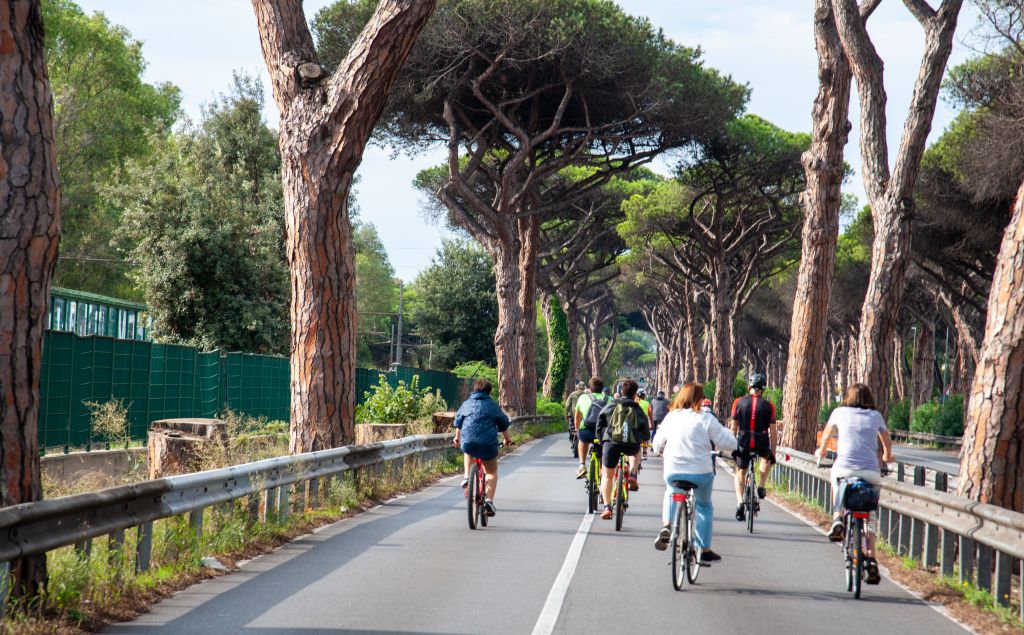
(933, 527)
(35, 528)
(928, 438)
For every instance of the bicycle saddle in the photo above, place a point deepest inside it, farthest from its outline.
(684, 484)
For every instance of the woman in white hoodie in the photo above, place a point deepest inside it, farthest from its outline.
(684, 439)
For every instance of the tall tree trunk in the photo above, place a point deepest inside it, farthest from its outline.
(30, 225)
(824, 170)
(558, 349)
(326, 121)
(891, 193)
(723, 336)
(922, 372)
(575, 366)
(899, 377)
(992, 459)
(693, 348)
(515, 272)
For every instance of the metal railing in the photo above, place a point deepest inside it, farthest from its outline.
(36, 528)
(937, 439)
(933, 527)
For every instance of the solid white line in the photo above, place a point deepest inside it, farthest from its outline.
(553, 606)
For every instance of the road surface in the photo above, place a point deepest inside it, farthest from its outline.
(413, 566)
(948, 462)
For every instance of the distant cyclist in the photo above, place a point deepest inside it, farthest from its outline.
(861, 428)
(570, 407)
(659, 409)
(588, 407)
(622, 426)
(477, 424)
(685, 439)
(752, 419)
(641, 398)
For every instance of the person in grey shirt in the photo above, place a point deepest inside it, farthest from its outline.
(860, 428)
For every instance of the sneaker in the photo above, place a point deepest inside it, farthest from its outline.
(607, 513)
(871, 565)
(464, 484)
(664, 537)
(633, 485)
(761, 493)
(489, 508)
(838, 530)
(706, 555)
(741, 513)
(582, 471)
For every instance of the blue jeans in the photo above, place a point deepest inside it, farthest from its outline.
(702, 497)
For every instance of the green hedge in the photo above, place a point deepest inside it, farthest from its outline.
(946, 419)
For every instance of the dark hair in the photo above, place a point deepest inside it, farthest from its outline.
(859, 396)
(642, 394)
(482, 385)
(629, 388)
(689, 397)
(596, 384)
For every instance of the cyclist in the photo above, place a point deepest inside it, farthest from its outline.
(641, 398)
(570, 407)
(477, 424)
(685, 440)
(622, 426)
(752, 419)
(659, 409)
(588, 406)
(861, 427)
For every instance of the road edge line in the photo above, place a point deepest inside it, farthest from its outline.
(556, 597)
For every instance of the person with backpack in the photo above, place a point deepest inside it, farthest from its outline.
(588, 406)
(622, 427)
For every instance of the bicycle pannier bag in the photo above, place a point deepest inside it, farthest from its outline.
(861, 496)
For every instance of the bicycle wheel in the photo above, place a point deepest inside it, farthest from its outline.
(592, 476)
(680, 548)
(858, 556)
(750, 497)
(481, 515)
(620, 497)
(848, 556)
(472, 504)
(693, 552)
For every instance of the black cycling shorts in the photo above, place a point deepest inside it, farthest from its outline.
(613, 450)
(762, 448)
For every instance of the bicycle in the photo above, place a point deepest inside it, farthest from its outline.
(686, 555)
(751, 503)
(573, 439)
(475, 494)
(620, 494)
(592, 482)
(855, 536)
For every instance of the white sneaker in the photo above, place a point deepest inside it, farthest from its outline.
(582, 471)
(465, 483)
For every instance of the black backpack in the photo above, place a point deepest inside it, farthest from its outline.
(590, 421)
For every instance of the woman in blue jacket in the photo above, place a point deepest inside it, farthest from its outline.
(477, 424)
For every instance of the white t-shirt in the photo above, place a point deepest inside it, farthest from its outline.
(857, 448)
(684, 438)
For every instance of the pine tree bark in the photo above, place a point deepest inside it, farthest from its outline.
(824, 169)
(30, 229)
(326, 121)
(891, 193)
(922, 371)
(992, 459)
(899, 384)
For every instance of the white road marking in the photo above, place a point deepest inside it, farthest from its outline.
(556, 597)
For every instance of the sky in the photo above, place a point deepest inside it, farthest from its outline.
(767, 44)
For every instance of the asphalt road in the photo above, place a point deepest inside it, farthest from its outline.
(413, 566)
(948, 462)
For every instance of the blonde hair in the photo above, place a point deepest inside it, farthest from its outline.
(690, 396)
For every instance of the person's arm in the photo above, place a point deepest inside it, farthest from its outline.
(459, 416)
(734, 425)
(723, 438)
(502, 422)
(826, 434)
(645, 429)
(883, 434)
(660, 439)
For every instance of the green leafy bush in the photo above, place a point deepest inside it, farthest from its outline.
(825, 411)
(899, 415)
(478, 370)
(399, 404)
(550, 408)
(774, 395)
(943, 419)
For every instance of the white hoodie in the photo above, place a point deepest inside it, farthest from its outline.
(684, 438)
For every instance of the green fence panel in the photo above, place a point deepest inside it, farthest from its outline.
(130, 382)
(55, 389)
(209, 379)
(258, 385)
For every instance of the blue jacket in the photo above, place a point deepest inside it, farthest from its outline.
(480, 420)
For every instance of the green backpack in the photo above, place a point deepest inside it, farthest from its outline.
(623, 424)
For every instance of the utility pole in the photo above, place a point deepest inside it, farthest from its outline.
(398, 341)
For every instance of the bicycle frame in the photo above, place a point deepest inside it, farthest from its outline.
(476, 491)
(620, 493)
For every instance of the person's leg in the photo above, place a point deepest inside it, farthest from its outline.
(491, 482)
(607, 483)
(584, 447)
(740, 480)
(766, 466)
(467, 462)
(705, 510)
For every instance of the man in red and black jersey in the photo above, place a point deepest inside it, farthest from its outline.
(751, 419)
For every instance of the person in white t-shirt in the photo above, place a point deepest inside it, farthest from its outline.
(684, 439)
(860, 428)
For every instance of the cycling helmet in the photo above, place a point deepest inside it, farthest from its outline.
(757, 380)
(642, 394)
(706, 403)
(607, 390)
